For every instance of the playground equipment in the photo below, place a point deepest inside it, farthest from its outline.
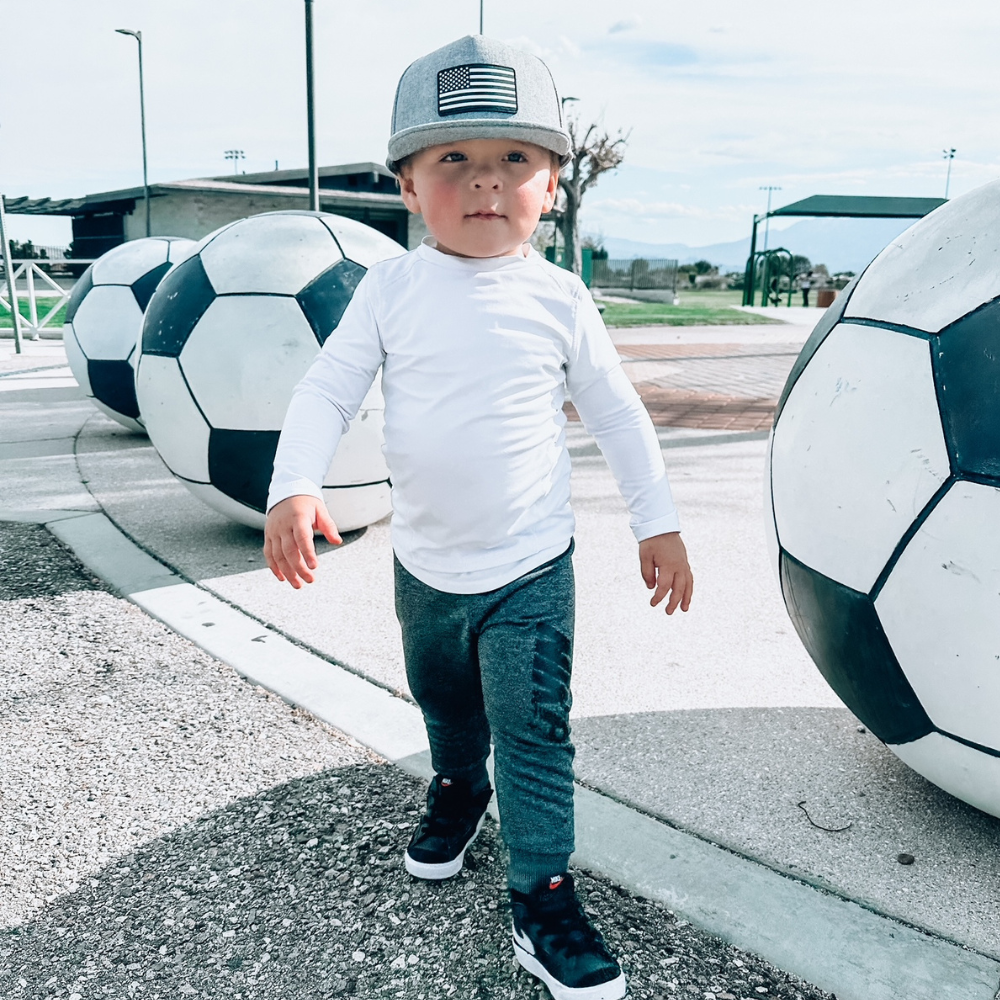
(836, 207)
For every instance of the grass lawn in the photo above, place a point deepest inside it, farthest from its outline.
(701, 308)
(43, 307)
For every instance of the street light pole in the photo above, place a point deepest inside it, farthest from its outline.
(480, 16)
(311, 112)
(769, 188)
(137, 35)
(949, 155)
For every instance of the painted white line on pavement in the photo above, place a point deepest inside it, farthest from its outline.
(372, 715)
(829, 941)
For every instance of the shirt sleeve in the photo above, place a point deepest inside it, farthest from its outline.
(327, 400)
(613, 413)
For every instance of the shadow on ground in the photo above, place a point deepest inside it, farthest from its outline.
(810, 792)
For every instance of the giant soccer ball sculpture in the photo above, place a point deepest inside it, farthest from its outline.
(104, 319)
(227, 336)
(885, 495)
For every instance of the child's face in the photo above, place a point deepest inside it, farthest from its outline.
(481, 197)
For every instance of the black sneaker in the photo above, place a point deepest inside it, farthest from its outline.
(555, 941)
(451, 823)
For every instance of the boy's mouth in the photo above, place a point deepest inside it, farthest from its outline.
(485, 215)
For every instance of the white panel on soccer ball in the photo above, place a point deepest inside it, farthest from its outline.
(374, 400)
(941, 268)
(227, 506)
(858, 451)
(130, 423)
(108, 323)
(244, 358)
(361, 243)
(77, 360)
(124, 264)
(962, 771)
(179, 249)
(770, 532)
(174, 425)
(940, 609)
(359, 457)
(355, 506)
(271, 253)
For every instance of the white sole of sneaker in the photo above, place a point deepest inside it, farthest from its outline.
(613, 990)
(420, 869)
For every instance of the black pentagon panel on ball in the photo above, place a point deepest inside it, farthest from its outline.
(326, 297)
(966, 358)
(821, 331)
(83, 285)
(240, 464)
(180, 301)
(113, 383)
(143, 288)
(842, 633)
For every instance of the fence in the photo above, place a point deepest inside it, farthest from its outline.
(639, 273)
(44, 303)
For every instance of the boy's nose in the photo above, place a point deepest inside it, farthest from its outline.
(486, 180)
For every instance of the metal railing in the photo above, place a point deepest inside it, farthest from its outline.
(44, 302)
(639, 273)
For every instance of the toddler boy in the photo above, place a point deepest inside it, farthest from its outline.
(478, 339)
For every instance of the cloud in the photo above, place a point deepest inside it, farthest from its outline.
(626, 24)
(645, 52)
(637, 208)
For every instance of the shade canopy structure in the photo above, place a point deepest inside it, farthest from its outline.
(835, 206)
(849, 206)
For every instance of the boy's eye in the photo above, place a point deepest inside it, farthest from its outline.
(516, 156)
(454, 157)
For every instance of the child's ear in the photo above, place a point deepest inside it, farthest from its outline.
(408, 192)
(551, 191)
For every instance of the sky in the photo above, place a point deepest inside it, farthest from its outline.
(718, 99)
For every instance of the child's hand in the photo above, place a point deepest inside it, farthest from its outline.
(288, 537)
(664, 564)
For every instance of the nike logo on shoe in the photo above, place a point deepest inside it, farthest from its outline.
(523, 941)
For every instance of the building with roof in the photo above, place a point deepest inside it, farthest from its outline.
(193, 208)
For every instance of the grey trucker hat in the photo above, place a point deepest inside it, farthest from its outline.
(476, 88)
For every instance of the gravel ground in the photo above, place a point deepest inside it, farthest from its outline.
(168, 830)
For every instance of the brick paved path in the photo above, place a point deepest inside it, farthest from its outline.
(708, 386)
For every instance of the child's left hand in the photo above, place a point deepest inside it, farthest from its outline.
(664, 564)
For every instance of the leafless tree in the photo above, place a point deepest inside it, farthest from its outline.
(595, 152)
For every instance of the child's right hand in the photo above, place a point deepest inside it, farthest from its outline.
(288, 537)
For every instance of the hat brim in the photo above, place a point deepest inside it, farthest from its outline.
(412, 140)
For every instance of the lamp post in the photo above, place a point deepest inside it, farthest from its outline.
(311, 112)
(480, 16)
(235, 155)
(137, 35)
(8, 266)
(769, 188)
(949, 155)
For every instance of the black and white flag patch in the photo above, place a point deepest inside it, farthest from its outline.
(477, 87)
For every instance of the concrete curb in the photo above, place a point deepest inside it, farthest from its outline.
(831, 942)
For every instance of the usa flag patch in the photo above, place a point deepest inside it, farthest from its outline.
(477, 87)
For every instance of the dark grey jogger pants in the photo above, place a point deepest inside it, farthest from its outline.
(498, 664)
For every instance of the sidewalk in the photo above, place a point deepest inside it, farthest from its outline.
(716, 721)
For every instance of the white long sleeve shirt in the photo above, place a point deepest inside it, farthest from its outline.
(477, 355)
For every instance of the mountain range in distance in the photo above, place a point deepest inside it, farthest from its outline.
(840, 244)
